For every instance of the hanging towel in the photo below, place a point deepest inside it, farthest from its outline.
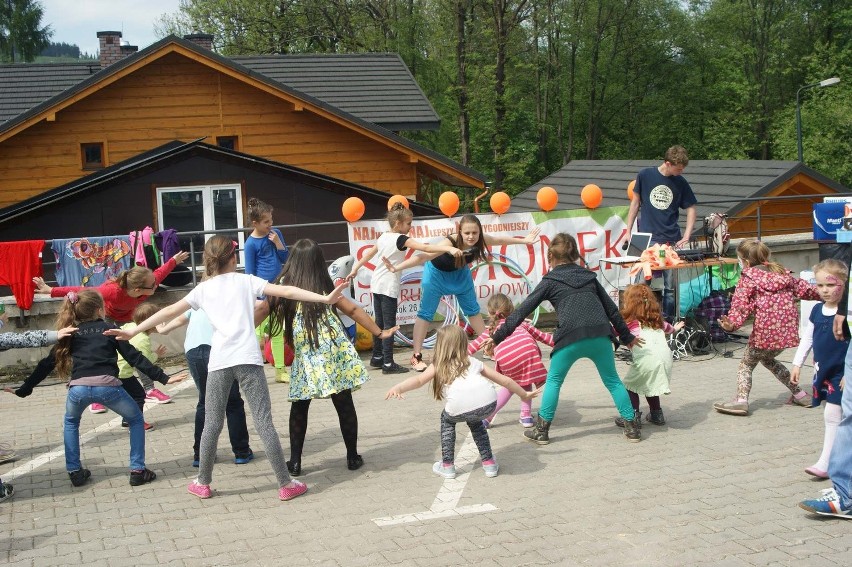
(90, 261)
(20, 262)
(168, 243)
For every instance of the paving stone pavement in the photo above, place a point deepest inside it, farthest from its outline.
(706, 489)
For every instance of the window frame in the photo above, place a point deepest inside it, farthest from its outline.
(92, 166)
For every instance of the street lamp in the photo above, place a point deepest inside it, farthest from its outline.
(824, 83)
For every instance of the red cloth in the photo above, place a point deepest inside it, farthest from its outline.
(20, 262)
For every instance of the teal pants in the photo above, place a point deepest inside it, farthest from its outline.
(599, 351)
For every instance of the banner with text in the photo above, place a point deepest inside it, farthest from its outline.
(599, 233)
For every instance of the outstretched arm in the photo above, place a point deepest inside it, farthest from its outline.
(161, 316)
(368, 255)
(509, 384)
(414, 260)
(499, 239)
(411, 383)
(299, 294)
(352, 310)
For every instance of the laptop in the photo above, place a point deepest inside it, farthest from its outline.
(639, 242)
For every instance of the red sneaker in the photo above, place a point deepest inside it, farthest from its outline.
(292, 490)
(97, 408)
(156, 396)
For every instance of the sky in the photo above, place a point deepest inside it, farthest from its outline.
(77, 22)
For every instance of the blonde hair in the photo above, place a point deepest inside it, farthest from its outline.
(78, 307)
(135, 277)
(450, 359)
(499, 307)
(218, 251)
(756, 254)
(398, 213)
(834, 268)
(144, 311)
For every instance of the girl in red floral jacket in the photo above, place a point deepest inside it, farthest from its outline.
(767, 290)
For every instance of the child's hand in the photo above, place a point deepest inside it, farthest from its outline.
(121, 334)
(337, 293)
(388, 333)
(273, 237)
(532, 236)
(161, 351)
(41, 287)
(9, 390)
(456, 252)
(679, 325)
(636, 342)
(179, 377)
(794, 376)
(180, 257)
(394, 392)
(534, 392)
(67, 332)
(391, 268)
(351, 275)
(725, 323)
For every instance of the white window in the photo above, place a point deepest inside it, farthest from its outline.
(201, 207)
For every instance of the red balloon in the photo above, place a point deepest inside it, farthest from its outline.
(547, 198)
(397, 199)
(448, 202)
(630, 187)
(591, 195)
(500, 202)
(353, 209)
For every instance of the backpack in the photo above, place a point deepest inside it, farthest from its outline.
(716, 233)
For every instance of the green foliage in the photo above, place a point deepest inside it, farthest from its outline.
(21, 36)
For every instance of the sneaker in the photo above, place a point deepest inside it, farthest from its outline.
(140, 477)
(241, 460)
(804, 400)
(146, 425)
(79, 477)
(491, 470)
(7, 453)
(196, 461)
(6, 491)
(656, 417)
(417, 362)
(527, 421)
(97, 408)
(200, 490)
(446, 472)
(393, 368)
(157, 397)
(282, 375)
(292, 490)
(637, 417)
(813, 471)
(376, 362)
(732, 408)
(827, 505)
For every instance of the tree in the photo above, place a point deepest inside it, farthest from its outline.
(21, 37)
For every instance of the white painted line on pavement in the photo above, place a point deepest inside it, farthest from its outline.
(45, 458)
(446, 502)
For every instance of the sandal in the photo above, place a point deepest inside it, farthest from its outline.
(417, 362)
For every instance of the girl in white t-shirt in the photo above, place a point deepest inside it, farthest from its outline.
(467, 388)
(228, 299)
(384, 284)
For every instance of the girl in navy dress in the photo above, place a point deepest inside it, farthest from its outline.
(829, 354)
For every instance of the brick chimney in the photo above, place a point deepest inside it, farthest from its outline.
(201, 39)
(110, 48)
(127, 49)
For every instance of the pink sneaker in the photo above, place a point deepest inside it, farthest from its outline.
(201, 490)
(292, 490)
(97, 408)
(156, 396)
(813, 471)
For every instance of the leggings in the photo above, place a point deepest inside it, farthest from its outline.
(503, 397)
(599, 351)
(346, 415)
(751, 357)
(253, 384)
(474, 422)
(134, 388)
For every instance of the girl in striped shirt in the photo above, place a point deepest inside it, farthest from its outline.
(517, 357)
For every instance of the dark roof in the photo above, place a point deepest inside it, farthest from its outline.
(177, 151)
(711, 180)
(376, 87)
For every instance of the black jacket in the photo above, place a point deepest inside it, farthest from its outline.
(583, 308)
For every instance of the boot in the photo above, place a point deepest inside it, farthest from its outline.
(632, 431)
(637, 417)
(657, 417)
(539, 432)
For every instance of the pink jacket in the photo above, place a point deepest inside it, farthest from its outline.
(771, 298)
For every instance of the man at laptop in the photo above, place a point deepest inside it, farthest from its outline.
(660, 193)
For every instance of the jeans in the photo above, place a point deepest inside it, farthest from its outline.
(114, 398)
(840, 462)
(384, 308)
(235, 413)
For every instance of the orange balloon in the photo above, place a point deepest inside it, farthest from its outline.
(448, 202)
(630, 187)
(591, 195)
(397, 199)
(547, 198)
(500, 202)
(353, 209)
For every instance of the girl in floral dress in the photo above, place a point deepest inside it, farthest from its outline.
(326, 364)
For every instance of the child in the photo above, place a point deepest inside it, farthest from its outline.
(586, 316)
(463, 384)
(90, 356)
(264, 255)
(829, 355)
(651, 371)
(768, 291)
(28, 339)
(445, 274)
(518, 357)
(384, 284)
(121, 296)
(234, 355)
(326, 364)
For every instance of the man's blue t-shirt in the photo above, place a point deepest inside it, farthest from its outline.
(660, 201)
(263, 259)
